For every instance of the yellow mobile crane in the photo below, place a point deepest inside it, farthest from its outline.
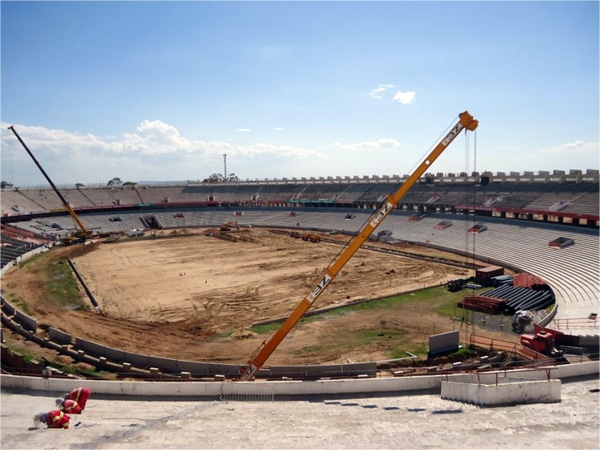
(260, 356)
(82, 233)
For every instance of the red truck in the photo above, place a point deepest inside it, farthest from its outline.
(544, 340)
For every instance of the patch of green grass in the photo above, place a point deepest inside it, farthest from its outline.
(61, 288)
(392, 342)
(18, 303)
(401, 351)
(225, 335)
(313, 349)
(442, 303)
(448, 307)
(266, 329)
(27, 356)
(463, 352)
(30, 260)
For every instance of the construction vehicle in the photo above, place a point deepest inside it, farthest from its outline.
(311, 237)
(229, 226)
(260, 356)
(556, 344)
(544, 340)
(81, 233)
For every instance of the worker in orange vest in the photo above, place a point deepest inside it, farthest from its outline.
(80, 395)
(68, 406)
(53, 419)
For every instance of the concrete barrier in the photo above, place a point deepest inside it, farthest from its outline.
(114, 354)
(210, 390)
(89, 347)
(326, 370)
(7, 308)
(136, 359)
(231, 370)
(59, 336)
(505, 393)
(197, 369)
(166, 365)
(25, 321)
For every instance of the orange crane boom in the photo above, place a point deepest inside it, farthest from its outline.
(248, 372)
(82, 232)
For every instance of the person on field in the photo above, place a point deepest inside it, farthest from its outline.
(68, 406)
(79, 395)
(52, 419)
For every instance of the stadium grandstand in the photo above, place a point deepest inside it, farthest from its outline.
(521, 218)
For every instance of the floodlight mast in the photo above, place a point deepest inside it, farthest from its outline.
(260, 356)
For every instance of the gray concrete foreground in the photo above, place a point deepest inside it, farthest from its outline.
(406, 421)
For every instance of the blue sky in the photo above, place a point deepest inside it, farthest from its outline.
(161, 90)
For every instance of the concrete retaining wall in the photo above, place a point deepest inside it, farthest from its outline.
(444, 342)
(7, 308)
(211, 390)
(206, 390)
(174, 366)
(58, 336)
(320, 371)
(28, 323)
(6, 268)
(502, 394)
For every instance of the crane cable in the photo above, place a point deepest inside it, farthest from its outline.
(470, 245)
(475, 176)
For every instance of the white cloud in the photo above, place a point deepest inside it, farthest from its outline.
(571, 148)
(574, 144)
(376, 93)
(154, 151)
(279, 129)
(405, 98)
(575, 155)
(368, 145)
(244, 130)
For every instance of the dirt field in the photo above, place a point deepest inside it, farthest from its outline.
(174, 297)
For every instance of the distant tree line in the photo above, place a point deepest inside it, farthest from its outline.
(218, 178)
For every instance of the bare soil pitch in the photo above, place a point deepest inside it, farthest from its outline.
(178, 297)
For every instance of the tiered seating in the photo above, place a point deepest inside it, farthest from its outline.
(585, 203)
(45, 197)
(76, 198)
(152, 194)
(14, 248)
(197, 193)
(374, 192)
(275, 192)
(423, 193)
(352, 192)
(316, 192)
(234, 192)
(16, 203)
(112, 196)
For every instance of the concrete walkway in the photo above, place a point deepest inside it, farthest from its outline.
(408, 421)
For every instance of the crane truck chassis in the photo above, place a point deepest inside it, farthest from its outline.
(260, 356)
